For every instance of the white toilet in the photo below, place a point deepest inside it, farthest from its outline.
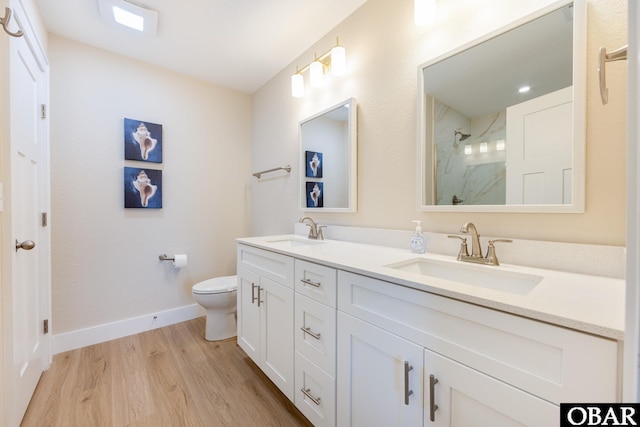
(218, 297)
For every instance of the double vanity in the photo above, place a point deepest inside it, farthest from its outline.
(359, 334)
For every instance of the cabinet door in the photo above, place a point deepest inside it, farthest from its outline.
(248, 314)
(276, 330)
(379, 377)
(468, 398)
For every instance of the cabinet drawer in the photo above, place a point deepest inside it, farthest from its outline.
(318, 400)
(316, 281)
(315, 332)
(554, 363)
(271, 265)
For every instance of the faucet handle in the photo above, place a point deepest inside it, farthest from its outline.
(320, 235)
(464, 251)
(491, 250)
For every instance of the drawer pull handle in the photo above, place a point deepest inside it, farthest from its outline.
(253, 293)
(306, 392)
(432, 398)
(309, 282)
(407, 392)
(308, 331)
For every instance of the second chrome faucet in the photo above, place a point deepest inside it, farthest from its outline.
(476, 250)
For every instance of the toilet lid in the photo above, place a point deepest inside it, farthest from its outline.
(216, 285)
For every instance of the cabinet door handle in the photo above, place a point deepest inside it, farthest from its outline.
(309, 282)
(432, 398)
(306, 392)
(308, 331)
(259, 300)
(407, 392)
(253, 292)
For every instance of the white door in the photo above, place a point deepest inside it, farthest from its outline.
(25, 268)
(276, 331)
(539, 150)
(458, 396)
(248, 314)
(379, 377)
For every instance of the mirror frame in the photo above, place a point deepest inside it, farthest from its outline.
(352, 162)
(579, 120)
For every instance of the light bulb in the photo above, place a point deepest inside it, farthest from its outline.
(424, 11)
(338, 61)
(297, 85)
(316, 74)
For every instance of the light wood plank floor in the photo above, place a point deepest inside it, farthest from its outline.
(165, 377)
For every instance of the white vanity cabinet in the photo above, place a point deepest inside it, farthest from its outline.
(265, 313)
(315, 341)
(490, 367)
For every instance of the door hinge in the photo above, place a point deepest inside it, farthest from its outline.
(45, 326)
(44, 219)
(43, 111)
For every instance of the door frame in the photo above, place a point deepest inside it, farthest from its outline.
(631, 371)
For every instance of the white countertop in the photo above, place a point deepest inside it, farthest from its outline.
(587, 303)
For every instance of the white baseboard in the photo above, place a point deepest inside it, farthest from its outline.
(110, 331)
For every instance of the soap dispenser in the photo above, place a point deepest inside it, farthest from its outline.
(417, 239)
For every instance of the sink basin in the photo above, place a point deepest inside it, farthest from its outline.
(469, 274)
(292, 242)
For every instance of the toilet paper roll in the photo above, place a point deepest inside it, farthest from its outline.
(180, 260)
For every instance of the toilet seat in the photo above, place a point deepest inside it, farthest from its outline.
(216, 285)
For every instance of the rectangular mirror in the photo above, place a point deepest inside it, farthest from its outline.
(328, 159)
(502, 119)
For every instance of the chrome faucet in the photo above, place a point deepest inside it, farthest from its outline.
(315, 230)
(476, 250)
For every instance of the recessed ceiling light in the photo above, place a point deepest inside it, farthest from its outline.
(128, 19)
(524, 89)
(122, 12)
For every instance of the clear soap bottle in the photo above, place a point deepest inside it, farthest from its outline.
(417, 239)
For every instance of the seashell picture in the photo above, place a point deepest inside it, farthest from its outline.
(142, 141)
(315, 194)
(313, 160)
(142, 188)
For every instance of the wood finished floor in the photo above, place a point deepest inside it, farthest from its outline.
(165, 377)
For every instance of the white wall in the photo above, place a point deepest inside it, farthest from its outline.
(384, 49)
(105, 257)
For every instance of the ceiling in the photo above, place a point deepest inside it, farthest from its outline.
(240, 44)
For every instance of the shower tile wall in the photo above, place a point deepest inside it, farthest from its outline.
(477, 178)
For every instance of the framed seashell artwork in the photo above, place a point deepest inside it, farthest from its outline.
(315, 194)
(142, 141)
(142, 188)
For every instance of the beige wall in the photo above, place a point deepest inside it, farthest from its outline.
(384, 48)
(105, 257)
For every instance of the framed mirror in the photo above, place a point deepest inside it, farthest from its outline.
(328, 159)
(502, 119)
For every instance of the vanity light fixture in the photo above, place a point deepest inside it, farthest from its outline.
(424, 11)
(130, 15)
(334, 60)
(484, 147)
(500, 145)
(468, 150)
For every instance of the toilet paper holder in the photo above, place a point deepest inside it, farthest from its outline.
(164, 257)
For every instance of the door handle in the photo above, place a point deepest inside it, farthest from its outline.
(27, 245)
(432, 398)
(407, 391)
